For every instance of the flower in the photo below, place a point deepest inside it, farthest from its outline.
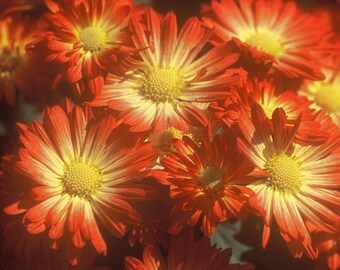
(18, 67)
(326, 94)
(270, 96)
(83, 41)
(161, 89)
(83, 170)
(274, 33)
(201, 177)
(298, 183)
(185, 253)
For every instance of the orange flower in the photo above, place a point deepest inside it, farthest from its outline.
(298, 184)
(83, 41)
(185, 253)
(274, 33)
(79, 171)
(201, 178)
(270, 96)
(18, 67)
(163, 87)
(326, 94)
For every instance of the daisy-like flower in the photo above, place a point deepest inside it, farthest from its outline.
(83, 40)
(272, 32)
(80, 171)
(269, 96)
(299, 183)
(161, 89)
(326, 94)
(186, 253)
(201, 177)
(17, 67)
(32, 250)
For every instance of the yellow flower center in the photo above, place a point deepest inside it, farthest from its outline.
(82, 179)
(268, 110)
(285, 175)
(175, 133)
(92, 38)
(211, 177)
(266, 42)
(162, 85)
(328, 97)
(163, 140)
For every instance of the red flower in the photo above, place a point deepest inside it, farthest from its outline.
(161, 89)
(83, 40)
(201, 178)
(326, 94)
(298, 185)
(274, 33)
(270, 96)
(80, 170)
(185, 253)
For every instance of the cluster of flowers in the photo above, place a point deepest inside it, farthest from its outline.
(160, 132)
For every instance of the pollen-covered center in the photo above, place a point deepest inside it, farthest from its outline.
(328, 97)
(266, 42)
(162, 85)
(92, 38)
(82, 179)
(211, 177)
(285, 175)
(163, 140)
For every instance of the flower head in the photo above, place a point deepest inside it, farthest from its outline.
(298, 183)
(201, 177)
(270, 96)
(326, 94)
(272, 32)
(159, 90)
(80, 169)
(83, 40)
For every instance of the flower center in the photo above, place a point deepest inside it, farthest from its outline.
(328, 97)
(82, 179)
(266, 42)
(284, 173)
(211, 177)
(163, 140)
(92, 38)
(268, 110)
(175, 133)
(162, 85)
